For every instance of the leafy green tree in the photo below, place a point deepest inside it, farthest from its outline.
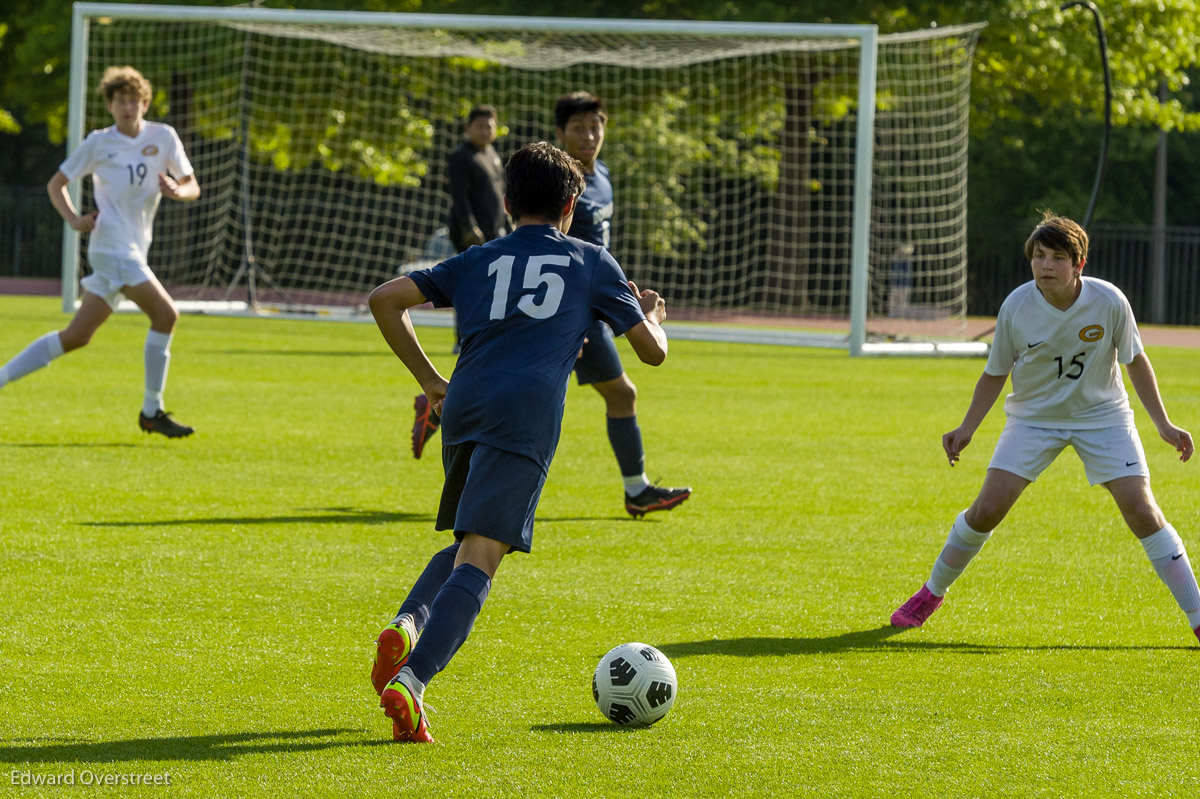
(1037, 91)
(1031, 58)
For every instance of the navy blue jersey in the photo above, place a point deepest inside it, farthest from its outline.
(593, 212)
(523, 302)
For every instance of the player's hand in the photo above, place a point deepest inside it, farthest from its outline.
(86, 223)
(435, 392)
(955, 442)
(1180, 439)
(168, 186)
(474, 237)
(653, 306)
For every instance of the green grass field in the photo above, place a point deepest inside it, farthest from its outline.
(205, 608)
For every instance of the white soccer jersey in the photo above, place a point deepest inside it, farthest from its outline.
(124, 174)
(1064, 363)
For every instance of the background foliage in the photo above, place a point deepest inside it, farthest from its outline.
(1037, 90)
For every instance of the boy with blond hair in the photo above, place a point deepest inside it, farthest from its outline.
(131, 164)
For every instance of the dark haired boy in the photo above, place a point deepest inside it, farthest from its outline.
(579, 121)
(477, 215)
(524, 302)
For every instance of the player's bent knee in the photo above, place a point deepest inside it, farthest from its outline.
(1144, 520)
(164, 324)
(620, 396)
(164, 320)
(1137, 504)
(986, 513)
(983, 519)
(622, 403)
(73, 339)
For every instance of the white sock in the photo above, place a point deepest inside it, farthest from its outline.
(1166, 551)
(157, 357)
(635, 484)
(417, 687)
(962, 544)
(38, 354)
(407, 621)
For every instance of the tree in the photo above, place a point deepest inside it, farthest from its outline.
(1038, 96)
(1037, 79)
(1032, 57)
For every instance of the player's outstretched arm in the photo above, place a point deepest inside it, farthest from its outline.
(986, 391)
(389, 305)
(648, 339)
(1141, 374)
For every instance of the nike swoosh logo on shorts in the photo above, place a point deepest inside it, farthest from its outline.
(1177, 557)
(1130, 463)
(1043, 341)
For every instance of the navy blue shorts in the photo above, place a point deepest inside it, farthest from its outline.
(600, 361)
(490, 492)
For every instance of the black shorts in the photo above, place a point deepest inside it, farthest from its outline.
(599, 362)
(490, 492)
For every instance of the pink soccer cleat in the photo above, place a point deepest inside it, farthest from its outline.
(392, 649)
(919, 607)
(408, 719)
(1197, 632)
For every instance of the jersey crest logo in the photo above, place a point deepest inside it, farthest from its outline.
(1091, 333)
(150, 149)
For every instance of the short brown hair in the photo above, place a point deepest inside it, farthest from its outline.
(1056, 232)
(482, 110)
(125, 80)
(539, 180)
(574, 103)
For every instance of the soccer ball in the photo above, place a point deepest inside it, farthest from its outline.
(634, 685)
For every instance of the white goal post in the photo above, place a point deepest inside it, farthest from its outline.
(743, 192)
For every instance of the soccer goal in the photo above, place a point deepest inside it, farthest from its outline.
(780, 183)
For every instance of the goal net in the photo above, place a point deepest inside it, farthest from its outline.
(752, 188)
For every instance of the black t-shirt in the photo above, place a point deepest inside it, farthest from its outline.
(476, 194)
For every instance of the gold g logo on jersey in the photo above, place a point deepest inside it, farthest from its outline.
(1091, 333)
(150, 149)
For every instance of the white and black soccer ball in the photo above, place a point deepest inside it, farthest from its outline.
(634, 685)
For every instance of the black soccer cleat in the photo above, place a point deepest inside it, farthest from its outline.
(655, 498)
(163, 424)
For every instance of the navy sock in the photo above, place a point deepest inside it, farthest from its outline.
(451, 617)
(626, 439)
(427, 586)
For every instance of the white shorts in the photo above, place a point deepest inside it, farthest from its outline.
(110, 273)
(1107, 452)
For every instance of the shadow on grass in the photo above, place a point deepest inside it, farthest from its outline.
(65, 444)
(612, 518)
(878, 639)
(336, 516)
(315, 353)
(188, 747)
(322, 516)
(581, 727)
